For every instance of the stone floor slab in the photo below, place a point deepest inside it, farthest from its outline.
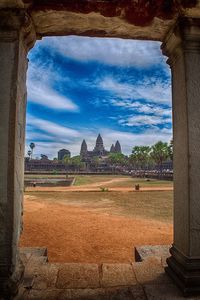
(49, 294)
(123, 293)
(89, 294)
(117, 275)
(46, 277)
(77, 275)
(138, 281)
(32, 268)
(126, 293)
(150, 271)
(165, 292)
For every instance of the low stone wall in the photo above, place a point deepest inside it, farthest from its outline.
(48, 182)
(163, 176)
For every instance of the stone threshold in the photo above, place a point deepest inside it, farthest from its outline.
(56, 281)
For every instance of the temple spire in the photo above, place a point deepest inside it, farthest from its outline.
(118, 147)
(112, 149)
(83, 151)
(99, 144)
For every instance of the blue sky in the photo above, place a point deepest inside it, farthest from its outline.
(80, 86)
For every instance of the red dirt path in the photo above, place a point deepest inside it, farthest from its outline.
(84, 188)
(74, 234)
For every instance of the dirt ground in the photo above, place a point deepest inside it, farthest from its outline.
(96, 189)
(81, 234)
(114, 184)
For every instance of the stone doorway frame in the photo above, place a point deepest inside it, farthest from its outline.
(20, 25)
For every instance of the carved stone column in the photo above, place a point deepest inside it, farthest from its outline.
(182, 46)
(16, 37)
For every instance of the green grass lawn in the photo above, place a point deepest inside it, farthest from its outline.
(151, 205)
(130, 182)
(127, 181)
(48, 176)
(90, 179)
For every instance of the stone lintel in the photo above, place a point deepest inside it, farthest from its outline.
(14, 3)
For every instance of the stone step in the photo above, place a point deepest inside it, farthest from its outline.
(36, 251)
(35, 254)
(143, 253)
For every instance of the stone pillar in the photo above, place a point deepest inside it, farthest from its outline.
(182, 46)
(16, 37)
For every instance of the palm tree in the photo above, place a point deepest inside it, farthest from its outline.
(96, 162)
(67, 161)
(32, 146)
(77, 163)
(117, 159)
(159, 153)
(140, 156)
(170, 147)
(29, 153)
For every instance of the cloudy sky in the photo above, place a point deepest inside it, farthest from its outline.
(80, 86)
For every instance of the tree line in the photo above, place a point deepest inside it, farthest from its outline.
(143, 156)
(140, 158)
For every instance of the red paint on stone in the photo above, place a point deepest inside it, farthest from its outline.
(137, 12)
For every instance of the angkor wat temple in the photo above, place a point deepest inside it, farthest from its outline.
(99, 150)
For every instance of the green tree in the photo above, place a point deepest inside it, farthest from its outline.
(32, 146)
(29, 153)
(66, 161)
(117, 159)
(170, 148)
(96, 161)
(140, 156)
(43, 157)
(160, 153)
(77, 163)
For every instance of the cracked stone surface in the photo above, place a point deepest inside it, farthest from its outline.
(145, 280)
(117, 275)
(77, 275)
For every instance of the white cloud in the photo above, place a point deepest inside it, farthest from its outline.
(40, 80)
(156, 110)
(144, 120)
(51, 148)
(56, 137)
(51, 128)
(128, 140)
(113, 51)
(41, 94)
(143, 108)
(34, 135)
(148, 90)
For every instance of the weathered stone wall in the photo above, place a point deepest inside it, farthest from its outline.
(136, 19)
(14, 43)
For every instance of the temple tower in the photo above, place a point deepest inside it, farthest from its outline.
(112, 149)
(99, 147)
(84, 150)
(118, 147)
